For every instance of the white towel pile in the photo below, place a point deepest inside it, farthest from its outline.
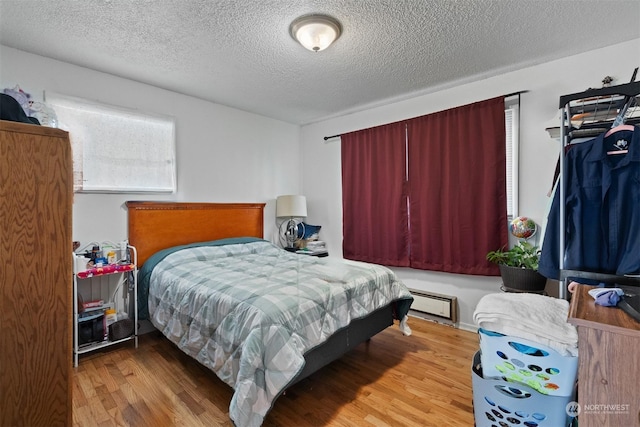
(534, 317)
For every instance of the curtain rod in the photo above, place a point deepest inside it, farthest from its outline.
(504, 96)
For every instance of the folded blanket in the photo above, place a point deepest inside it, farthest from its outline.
(534, 317)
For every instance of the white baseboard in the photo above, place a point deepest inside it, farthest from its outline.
(435, 319)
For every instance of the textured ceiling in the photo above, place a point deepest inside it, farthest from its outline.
(239, 52)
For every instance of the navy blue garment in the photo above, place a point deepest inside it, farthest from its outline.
(602, 208)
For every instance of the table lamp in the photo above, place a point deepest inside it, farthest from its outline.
(291, 207)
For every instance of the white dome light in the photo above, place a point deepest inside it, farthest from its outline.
(315, 32)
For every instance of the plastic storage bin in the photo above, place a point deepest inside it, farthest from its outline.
(501, 403)
(525, 362)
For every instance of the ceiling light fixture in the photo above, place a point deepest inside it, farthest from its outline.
(315, 32)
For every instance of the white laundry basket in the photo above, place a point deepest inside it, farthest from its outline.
(497, 402)
(525, 362)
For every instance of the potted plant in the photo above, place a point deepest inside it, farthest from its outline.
(519, 267)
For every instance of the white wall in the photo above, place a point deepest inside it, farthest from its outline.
(227, 155)
(545, 83)
(223, 154)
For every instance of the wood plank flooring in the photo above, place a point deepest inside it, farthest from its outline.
(393, 380)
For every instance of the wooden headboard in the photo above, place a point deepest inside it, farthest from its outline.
(154, 226)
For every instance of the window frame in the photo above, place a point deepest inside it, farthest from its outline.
(139, 134)
(512, 150)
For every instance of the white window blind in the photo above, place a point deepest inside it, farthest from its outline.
(512, 124)
(117, 149)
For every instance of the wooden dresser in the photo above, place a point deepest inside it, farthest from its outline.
(36, 190)
(609, 363)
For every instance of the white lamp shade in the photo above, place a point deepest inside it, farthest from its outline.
(315, 32)
(291, 206)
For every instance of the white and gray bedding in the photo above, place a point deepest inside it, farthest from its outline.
(249, 310)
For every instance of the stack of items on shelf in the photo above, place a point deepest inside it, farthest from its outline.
(309, 243)
(315, 247)
(97, 320)
(109, 268)
(525, 372)
(101, 255)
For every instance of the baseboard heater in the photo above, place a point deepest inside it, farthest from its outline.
(443, 306)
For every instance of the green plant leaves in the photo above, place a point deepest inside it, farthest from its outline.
(523, 255)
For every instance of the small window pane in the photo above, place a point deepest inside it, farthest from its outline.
(511, 123)
(115, 149)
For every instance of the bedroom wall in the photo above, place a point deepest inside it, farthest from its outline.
(223, 154)
(228, 155)
(544, 82)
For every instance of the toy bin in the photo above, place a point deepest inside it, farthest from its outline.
(522, 361)
(501, 403)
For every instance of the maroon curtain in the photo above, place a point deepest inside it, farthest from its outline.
(374, 203)
(457, 187)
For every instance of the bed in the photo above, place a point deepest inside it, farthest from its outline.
(258, 316)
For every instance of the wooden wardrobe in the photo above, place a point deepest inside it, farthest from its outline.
(36, 190)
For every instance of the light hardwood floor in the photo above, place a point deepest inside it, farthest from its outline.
(393, 380)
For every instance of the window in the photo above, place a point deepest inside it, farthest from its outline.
(512, 122)
(117, 149)
(455, 161)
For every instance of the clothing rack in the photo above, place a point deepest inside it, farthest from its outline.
(594, 111)
(586, 114)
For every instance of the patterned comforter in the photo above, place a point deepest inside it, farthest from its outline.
(249, 311)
